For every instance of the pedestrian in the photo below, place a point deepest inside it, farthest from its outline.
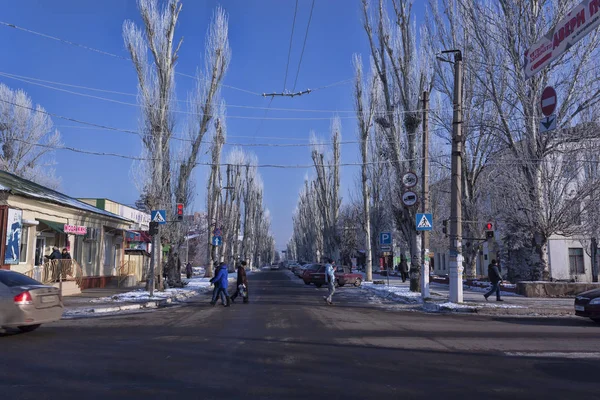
(188, 270)
(220, 282)
(495, 279)
(65, 255)
(330, 280)
(241, 284)
(55, 255)
(403, 268)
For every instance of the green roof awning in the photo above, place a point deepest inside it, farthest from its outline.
(55, 226)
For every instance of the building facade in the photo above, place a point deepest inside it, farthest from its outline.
(35, 219)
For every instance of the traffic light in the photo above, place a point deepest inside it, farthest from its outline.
(153, 228)
(445, 228)
(489, 230)
(180, 211)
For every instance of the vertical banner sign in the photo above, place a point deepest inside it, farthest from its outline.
(580, 21)
(13, 236)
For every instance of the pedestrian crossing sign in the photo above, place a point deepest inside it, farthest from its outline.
(424, 222)
(159, 216)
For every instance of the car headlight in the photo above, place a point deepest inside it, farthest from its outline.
(595, 301)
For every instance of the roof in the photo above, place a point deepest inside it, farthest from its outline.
(22, 187)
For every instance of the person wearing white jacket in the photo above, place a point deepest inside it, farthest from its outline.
(330, 280)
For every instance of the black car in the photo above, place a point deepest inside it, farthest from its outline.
(587, 304)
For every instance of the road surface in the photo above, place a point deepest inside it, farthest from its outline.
(288, 344)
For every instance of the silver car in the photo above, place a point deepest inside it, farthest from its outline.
(26, 303)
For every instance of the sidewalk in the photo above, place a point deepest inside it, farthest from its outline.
(103, 301)
(473, 300)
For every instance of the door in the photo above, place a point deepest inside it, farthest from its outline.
(40, 248)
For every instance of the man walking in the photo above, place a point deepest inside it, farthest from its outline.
(403, 268)
(495, 279)
(220, 282)
(241, 284)
(330, 280)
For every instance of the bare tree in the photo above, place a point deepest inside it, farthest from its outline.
(403, 76)
(156, 92)
(214, 188)
(327, 185)
(28, 138)
(365, 112)
(447, 29)
(502, 31)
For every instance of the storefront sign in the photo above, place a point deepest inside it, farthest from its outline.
(75, 229)
(13, 236)
(580, 21)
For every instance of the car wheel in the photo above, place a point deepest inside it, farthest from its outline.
(596, 320)
(357, 282)
(318, 285)
(28, 328)
(306, 283)
(340, 284)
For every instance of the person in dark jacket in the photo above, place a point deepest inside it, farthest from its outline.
(189, 271)
(55, 255)
(403, 268)
(65, 254)
(220, 281)
(495, 279)
(241, 284)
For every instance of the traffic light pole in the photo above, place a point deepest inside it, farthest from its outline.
(425, 199)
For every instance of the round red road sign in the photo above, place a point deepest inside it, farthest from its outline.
(548, 101)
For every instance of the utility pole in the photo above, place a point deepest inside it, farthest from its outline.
(425, 199)
(456, 259)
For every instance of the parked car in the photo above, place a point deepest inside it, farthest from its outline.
(274, 266)
(343, 276)
(300, 269)
(309, 270)
(587, 304)
(26, 303)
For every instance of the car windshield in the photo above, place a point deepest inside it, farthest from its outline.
(11, 279)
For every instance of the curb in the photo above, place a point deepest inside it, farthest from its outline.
(147, 305)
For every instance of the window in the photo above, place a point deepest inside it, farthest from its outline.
(576, 266)
(90, 249)
(24, 242)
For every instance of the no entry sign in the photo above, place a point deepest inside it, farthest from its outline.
(548, 101)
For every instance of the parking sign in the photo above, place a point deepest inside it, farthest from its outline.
(385, 238)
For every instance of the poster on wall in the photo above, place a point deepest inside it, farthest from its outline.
(13, 236)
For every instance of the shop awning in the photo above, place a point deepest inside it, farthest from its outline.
(55, 226)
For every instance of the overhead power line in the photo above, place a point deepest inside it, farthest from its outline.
(106, 53)
(312, 7)
(290, 47)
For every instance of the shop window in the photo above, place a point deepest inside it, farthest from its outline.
(576, 266)
(24, 243)
(90, 250)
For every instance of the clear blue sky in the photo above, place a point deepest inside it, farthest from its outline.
(259, 32)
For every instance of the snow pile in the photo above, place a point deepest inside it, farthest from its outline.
(194, 287)
(397, 293)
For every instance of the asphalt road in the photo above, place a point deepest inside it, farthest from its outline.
(288, 344)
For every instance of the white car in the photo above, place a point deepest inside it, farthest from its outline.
(26, 303)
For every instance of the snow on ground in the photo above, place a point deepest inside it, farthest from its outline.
(194, 287)
(398, 293)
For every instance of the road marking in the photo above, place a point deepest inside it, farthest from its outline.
(553, 354)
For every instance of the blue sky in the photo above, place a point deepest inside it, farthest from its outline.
(259, 33)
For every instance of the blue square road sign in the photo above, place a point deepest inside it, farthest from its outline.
(424, 222)
(385, 238)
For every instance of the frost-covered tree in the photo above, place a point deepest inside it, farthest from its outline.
(27, 137)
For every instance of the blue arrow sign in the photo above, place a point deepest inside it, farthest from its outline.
(217, 240)
(424, 222)
(159, 216)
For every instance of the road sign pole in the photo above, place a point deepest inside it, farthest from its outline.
(456, 267)
(425, 199)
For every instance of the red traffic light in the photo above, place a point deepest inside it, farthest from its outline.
(179, 209)
(489, 226)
